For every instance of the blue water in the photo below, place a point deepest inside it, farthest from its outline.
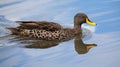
(106, 34)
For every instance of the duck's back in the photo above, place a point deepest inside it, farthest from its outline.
(44, 25)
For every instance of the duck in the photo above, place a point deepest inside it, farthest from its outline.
(51, 31)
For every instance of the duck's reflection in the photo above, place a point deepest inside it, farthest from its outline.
(42, 44)
(80, 47)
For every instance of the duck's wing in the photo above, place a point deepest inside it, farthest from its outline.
(49, 26)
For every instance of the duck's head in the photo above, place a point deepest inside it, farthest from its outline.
(80, 18)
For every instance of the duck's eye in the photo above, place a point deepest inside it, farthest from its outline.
(83, 17)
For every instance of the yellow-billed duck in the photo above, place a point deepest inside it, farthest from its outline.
(45, 30)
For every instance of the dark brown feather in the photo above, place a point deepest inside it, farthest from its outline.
(48, 26)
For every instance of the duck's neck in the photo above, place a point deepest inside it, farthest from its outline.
(77, 28)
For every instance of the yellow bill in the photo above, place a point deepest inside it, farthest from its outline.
(90, 22)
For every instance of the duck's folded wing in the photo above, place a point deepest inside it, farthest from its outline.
(49, 26)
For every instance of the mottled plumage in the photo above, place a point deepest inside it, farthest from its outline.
(49, 30)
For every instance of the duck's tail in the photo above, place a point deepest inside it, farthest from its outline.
(14, 31)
